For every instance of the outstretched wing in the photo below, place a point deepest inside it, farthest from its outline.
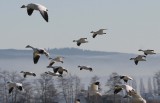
(36, 57)
(10, 89)
(44, 14)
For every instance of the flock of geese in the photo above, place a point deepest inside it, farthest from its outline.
(58, 70)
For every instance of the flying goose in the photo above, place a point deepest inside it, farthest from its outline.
(124, 77)
(28, 73)
(32, 6)
(77, 101)
(148, 51)
(13, 85)
(81, 40)
(56, 59)
(94, 89)
(37, 52)
(85, 67)
(126, 87)
(99, 32)
(53, 74)
(58, 69)
(136, 98)
(138, 58)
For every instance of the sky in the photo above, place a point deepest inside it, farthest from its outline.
(131, 24)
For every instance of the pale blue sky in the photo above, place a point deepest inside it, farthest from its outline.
(131, 24)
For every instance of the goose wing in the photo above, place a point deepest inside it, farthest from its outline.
(94, 35)
(136, 62)
(10, 89)
(36, 57)
(44, 14)
(78, 43)
(30, 11)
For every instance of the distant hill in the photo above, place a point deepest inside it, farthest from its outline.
(61, 51)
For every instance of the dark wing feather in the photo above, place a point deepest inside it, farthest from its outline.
(25, 75)
(121, 77)
(44, 15)
(136, 62)
(36, 57)
(55, 70)
(78, 44)
(30, 11)
(94, 35)
(117, 90)
(20, 88)
(125, 80)
(10, 90)
(50, 64)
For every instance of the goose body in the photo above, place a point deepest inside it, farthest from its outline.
(99, 32)
(138, 58)
(53, 74)
(148, 51)
(56, 59)
(124, 77)
(80, 41)
(126, 87)
(58, 69)
(85, 68)
(94, 89)
(28, 73)
(37, 52)
(42, 9)
(13, 85)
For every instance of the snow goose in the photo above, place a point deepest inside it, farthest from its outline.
(94, 89)
(124, 77)
(126, 87)
(148, 51)
(13, 85)
(58, 69)
(85, 67)
(42, 9)
(37, 52)
(138, 58)
(56, 59)
(99, 32)
(77, 101)
(53, 74)
(28, 73)
(81, 40)
(136, 98)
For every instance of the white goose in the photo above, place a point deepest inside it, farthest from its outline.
(42, 9)
(94, 89)
(138, 58)
(124, 77)
(13, 85)
(28, 73)
(53, 74)
(77, 101)
(37, 52)
(136, 98)
(56, 59)
(80, 41)
(99, 32)
(126, 87)
(148, 51)
(58, 69)
(85, 67)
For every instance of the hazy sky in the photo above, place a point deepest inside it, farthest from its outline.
(131, 24)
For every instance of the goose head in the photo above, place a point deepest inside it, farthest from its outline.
(132, 58)
(22, 72)
(92, 31)
(23, 6)
(28, 46)
(140, 50)
(74, 40)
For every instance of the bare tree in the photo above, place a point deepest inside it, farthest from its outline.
(44, 87)
(157, 77)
